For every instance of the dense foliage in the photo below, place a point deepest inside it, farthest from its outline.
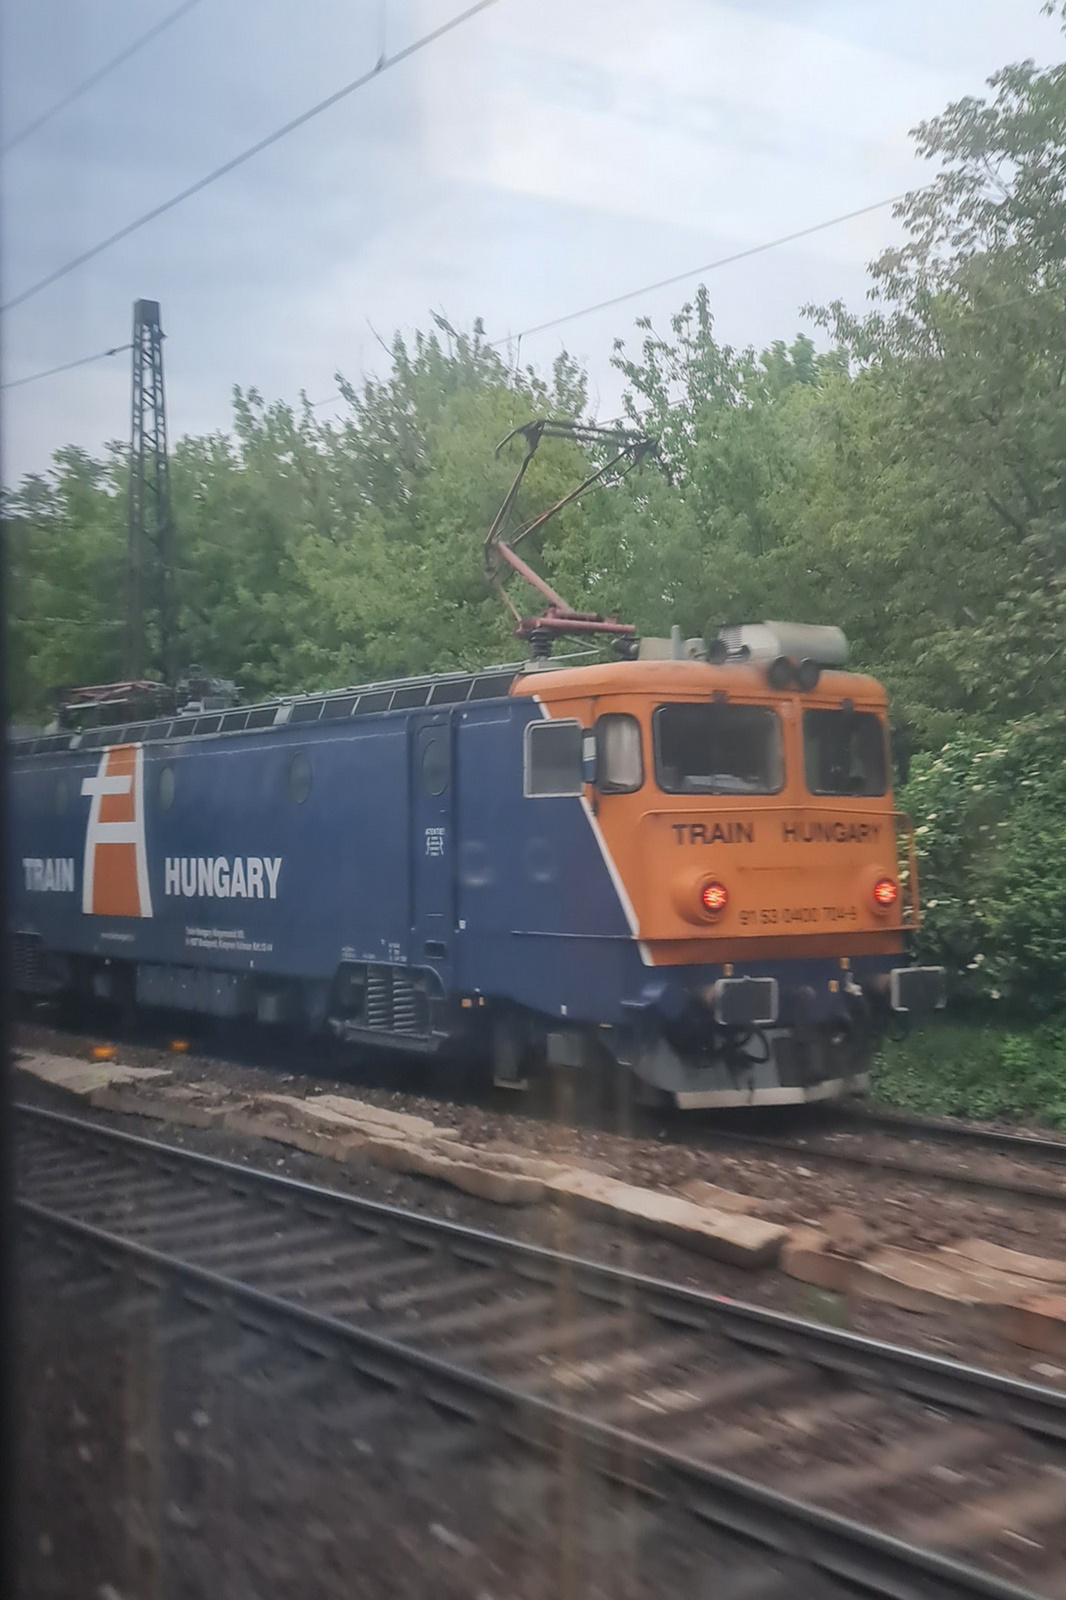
(991, 838)
(977, 1068)
(908, 483)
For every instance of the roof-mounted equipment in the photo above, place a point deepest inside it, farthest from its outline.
(198, 691)
(794, 653)
(620, 445)
(97, 705)
(108, 705)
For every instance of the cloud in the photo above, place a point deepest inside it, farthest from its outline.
(547, 155)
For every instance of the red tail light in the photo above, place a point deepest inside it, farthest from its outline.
(886, 893)
(714, 897)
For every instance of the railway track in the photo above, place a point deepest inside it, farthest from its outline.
(938, 1130)
(983, 1162)
(713, 1409)
(1005, 1165)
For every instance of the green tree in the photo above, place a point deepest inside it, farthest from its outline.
(968, 330)
(992, 862)
(316, 553)
(65, 539)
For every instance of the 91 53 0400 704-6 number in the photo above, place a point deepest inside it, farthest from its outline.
(793, 916)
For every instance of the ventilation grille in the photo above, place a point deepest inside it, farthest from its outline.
(28, 971)
(393, 1004)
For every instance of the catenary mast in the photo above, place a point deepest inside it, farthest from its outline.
(150, 640)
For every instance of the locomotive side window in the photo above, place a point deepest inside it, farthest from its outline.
(436, 764)
(619, 758)
(844, 752)
(299, 778)
(553, 759)
(718, 749)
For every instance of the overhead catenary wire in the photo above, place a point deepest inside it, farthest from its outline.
(383, 64)
(708, 266)
(66, 366)
(971, 315)
(96, 77)
(725, 261)
(620, 299)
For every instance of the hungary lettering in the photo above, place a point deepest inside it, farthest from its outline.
(245, 878)
(830, 832)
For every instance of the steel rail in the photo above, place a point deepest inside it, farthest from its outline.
(1036, 1409)
(867, 1561)
(986, 1185)
(1029, 1146)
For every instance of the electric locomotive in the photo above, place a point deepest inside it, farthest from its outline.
(684, 863)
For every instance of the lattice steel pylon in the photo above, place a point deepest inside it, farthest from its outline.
(149, 555)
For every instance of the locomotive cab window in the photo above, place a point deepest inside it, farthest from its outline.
(718, 749)
(844, 752)
(553, 759)
(619, 758)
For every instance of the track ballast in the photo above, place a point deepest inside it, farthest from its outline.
(705, 1400)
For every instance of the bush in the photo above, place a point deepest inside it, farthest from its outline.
(990, 816)
(978, 1070)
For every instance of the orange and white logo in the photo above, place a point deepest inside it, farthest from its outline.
(115, 876)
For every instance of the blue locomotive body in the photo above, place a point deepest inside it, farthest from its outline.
(278, 859)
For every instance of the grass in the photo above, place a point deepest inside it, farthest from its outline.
(977, 1069)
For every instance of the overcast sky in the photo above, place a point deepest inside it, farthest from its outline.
(548, 154)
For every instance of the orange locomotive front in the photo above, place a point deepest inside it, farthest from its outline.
(745, 809)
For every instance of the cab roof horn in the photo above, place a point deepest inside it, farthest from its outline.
(794, 653)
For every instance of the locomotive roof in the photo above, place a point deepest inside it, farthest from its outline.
(692, 677)
(438, 689)
(451, 688)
